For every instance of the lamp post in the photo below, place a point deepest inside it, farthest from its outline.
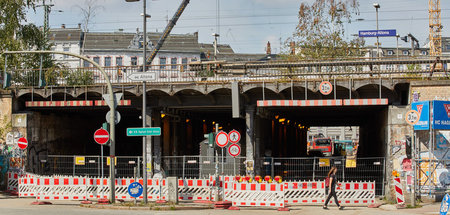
(144, 103)
(397, 35)
(377, 6)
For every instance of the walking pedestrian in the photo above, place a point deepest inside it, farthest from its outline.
(331, 182)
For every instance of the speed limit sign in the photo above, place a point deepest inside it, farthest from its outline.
(412, 117)
(325, 87)
(234, 150)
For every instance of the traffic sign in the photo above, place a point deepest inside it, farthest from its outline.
(325, 87)
(101, 136)
(445, 204)
(234, 136)
(107, 99)
(142, 76)
(135, 189)
(22, 143)
(234, 150)
(412, 117)
(116, 116)
(150, 131)
(222, 139)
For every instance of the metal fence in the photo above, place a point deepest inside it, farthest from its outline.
(386, 68)
(367, 169)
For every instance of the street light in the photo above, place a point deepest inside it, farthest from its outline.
(144, 103)
(377, 6)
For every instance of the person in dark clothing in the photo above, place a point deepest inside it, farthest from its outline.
(332, 188)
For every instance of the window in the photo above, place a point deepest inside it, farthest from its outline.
(107, 61)
(97, 60)
(119, 61)
(424, 53)
(184, 62)
(405, 52)
(173, 61)
(133, 61)
(390, 52)
(66, 49)
(390, 67)
(193, 59)
(447, 47)
(86, 64)
(162, 63)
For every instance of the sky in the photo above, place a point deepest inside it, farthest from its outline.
(247, 25)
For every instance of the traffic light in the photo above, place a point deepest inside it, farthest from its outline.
(408, 146)
(210, 137)
(105, 126)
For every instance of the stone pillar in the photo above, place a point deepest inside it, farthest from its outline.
(249, 146)
(157, 147)
(172, 190)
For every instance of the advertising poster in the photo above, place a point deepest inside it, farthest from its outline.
(424, 111)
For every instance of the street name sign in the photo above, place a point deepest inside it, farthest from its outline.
(150, 131)
(142, 76)
(379, 33)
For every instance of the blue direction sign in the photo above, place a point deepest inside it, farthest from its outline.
(135, 189)
(151, 131)
(378, 33)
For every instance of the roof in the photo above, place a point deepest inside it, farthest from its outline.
(122, 40)
(65, 35)
(221, 48)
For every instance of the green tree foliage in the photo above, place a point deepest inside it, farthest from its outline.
(14, 35)
(320, 30)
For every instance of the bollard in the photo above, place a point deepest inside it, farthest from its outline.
(172, 187)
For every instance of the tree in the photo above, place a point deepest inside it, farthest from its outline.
(320, 30)
(15, 36)
(88, 12)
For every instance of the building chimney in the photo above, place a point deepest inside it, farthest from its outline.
(79, 25)
(292, 44)
(268, 49)
(63, 25)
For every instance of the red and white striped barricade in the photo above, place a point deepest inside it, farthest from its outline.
(61, 188)
(97, 188)
(313, 193)
(304, 192)
(194, 189)
(399, 191)
(28, 185)
(13, 181)
(257, 194)
(356, 193)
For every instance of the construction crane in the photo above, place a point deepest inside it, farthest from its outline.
(435, 27)
(168, 29)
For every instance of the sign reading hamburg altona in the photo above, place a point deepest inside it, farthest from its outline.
(142, 76)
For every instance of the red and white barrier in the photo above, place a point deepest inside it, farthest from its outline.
(61, 188)
(399, 191)
(27, 185)
(313, 192)
(13, 181)
(257, 194)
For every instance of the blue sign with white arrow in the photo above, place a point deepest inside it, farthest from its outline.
(135, 189)
(378, 33)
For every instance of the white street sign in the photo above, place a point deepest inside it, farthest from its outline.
(142, 76)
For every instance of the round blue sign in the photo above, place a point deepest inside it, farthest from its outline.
(135, 189)
(445, 205)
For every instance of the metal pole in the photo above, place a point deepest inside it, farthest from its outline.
(112, 125)
(4, 71)
(234, 166)
(378, 42)
(184, 161)
(144, 139)
(379, 93)
(397, 44)
(144, 69)
(314, 168)
(101, 163)
(73, 174)
(222, 161)
(413, 193)
(40, 84)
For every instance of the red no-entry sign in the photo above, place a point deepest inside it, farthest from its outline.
(22, 143)
(101, 136)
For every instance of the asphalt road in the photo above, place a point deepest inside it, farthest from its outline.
(15, 206)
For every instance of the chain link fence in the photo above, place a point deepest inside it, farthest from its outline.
(203, 166)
